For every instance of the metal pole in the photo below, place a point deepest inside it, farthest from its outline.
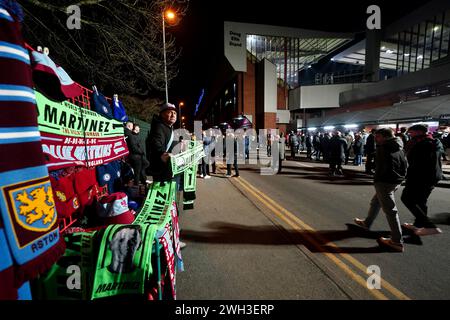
(165, 60)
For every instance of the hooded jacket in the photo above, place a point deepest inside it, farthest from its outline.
(390, 162)
(424, 158)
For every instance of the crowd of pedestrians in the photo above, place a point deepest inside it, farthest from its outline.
(412, 157)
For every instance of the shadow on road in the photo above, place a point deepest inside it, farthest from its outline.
(351, 177)
(441, 218)
(314, 241)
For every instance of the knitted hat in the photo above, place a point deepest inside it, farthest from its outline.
(66, 200)
(52, 79)
(113, 209)
(86, 186)
(418, 127)
(166, 106)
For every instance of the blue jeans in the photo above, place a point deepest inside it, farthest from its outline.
(358, 159)
(384, 198)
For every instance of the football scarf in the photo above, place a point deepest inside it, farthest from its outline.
(190, 182)
(124, 260)
(27, 209)
(183, 160)
(119, 110)
(68, 277)
(75, 136)
(176, 236)
(157, 205)
(189, 186)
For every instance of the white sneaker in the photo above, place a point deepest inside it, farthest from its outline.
(201, 176)
(182, 245)
(228, 176)
(427, 231)
(207, 177)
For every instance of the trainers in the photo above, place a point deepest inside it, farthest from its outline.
(387, 242)
(207, 177)
(182, 245)
(361, 223)
(427, 231)
(201, 176)
(228, 176)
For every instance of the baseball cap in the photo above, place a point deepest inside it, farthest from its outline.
(166, 106)
(113, 209)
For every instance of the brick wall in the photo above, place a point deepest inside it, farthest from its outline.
(249, 91)
(270, 120)
(281, 98)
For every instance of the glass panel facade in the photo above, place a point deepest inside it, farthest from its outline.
(290, 55)
(421, 46)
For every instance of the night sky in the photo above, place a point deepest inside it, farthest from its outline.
(200, 33)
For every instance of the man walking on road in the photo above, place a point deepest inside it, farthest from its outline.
(424, 172)
(390, 171)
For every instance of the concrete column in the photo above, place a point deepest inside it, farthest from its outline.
(372, 63)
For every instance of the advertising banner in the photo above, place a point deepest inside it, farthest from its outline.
(72, 135)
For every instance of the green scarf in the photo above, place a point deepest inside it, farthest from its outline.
(181, 161)
(123, 262)
(157, 205)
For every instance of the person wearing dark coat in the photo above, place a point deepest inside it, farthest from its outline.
(337, 148)
(135, 152)
(137, 157)
(358, 150)
(161, 142)
(424, 172)
(294, 144)
(232, 154)
(370, 149)
(390, 171)
(308, 144)
(325, 146)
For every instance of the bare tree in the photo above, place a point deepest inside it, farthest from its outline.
(119, 46)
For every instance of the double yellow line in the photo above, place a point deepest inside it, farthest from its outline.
(299, 226)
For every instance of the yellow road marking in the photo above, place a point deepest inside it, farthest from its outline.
(296, 222)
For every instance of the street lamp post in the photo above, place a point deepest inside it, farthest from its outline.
(179, 111)
(170, 16)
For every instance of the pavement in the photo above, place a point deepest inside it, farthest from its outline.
(291, 236)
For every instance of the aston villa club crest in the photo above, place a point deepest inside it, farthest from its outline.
(33, 205)
(28, 213)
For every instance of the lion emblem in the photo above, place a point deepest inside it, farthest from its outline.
(39, 206)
